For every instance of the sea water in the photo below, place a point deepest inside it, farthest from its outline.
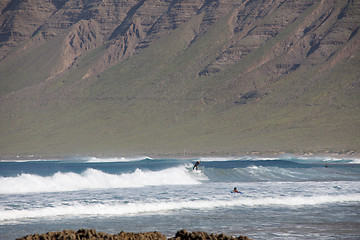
(285, 197)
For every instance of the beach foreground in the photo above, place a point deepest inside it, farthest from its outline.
(91, 234)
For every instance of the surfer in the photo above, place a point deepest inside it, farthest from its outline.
(196, 165)
(235, 190)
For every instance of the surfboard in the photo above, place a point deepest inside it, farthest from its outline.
(190, 169)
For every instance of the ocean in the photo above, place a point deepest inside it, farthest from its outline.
(284, 197)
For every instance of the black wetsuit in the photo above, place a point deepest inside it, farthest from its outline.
(196, 165)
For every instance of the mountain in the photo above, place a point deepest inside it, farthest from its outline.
(169, 77)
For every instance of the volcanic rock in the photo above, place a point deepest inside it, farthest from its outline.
(91, 234)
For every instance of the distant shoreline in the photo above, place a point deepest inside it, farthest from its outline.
(39, 157)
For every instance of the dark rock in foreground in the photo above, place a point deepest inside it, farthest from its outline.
(91, 234)
(185, 235)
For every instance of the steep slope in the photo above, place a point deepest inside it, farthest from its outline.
(158, 77)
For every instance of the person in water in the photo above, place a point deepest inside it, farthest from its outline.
(235, 190)
(196, 165)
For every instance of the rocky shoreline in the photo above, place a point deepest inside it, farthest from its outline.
(91, 234)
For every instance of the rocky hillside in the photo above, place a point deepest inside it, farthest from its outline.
(161, 76)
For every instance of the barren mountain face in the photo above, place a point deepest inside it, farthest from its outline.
(124, 28)
(210, 52)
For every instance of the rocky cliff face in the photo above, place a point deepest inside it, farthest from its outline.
(124, 28)
(310, 32)
(119, 25)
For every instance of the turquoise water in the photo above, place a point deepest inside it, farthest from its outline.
(286, 197)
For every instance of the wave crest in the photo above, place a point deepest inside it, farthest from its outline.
(94, 179)
(77, 209)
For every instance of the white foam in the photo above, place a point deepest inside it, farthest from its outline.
(252, 167)
(328, 159)
(243, 158)
(160, 207)
(356, 160)
(94, 179)
(301, 200)
(289, 157)
(121, 159)
(216, 159)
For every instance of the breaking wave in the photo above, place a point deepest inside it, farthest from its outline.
(95, 179)
(285, 157)
(121, 159)
(158, 207)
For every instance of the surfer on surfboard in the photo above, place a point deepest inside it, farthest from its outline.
(196, 165)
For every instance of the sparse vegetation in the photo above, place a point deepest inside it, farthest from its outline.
(202, 84)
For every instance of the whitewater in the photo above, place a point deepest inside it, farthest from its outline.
(283, 197)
